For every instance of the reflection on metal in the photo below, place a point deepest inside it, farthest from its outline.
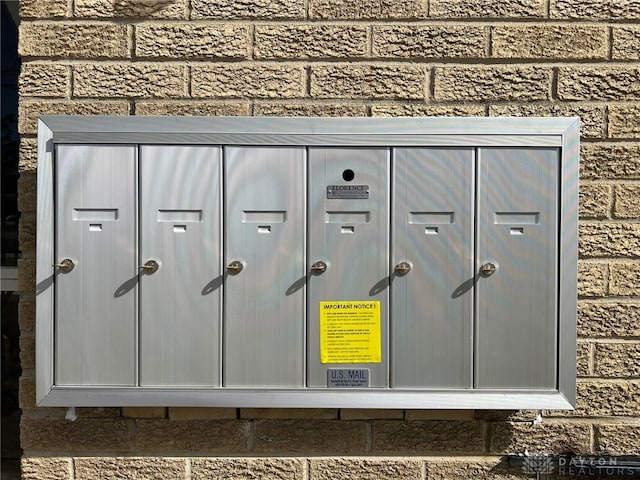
(150, 267)
(319, 268)
(488, 269)
(403, 268)
(235, 267)
(65, 266)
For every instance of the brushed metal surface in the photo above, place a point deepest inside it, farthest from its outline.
(433, 230)
(180, 228)
(357, 256)
(516, 317)
(264, 309)
(95, 320)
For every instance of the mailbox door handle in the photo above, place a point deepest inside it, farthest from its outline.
(403, 268)
(488, 269)
(319, 267)
(235, 267)
(65, 266)
(151, 266)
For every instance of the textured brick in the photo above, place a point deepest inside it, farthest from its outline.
(550, 41)
(595, 9)
(174, 9)
(372, 9)
(190, 436)
(46, 468)
(27, 233)
(370, 413)
(606, 399)
(310, 436)
(617, 360)
(240, 81)
(610, 161)
(618, 439)
(439, 415)
(247, 468)
(614, 320)
(62, 39)
(138, 80)
(592, 117)
(27, 193)
(592, 280)
(595, 201)
(29, 110)
(28, 155)
(506, 415)
(26, 314)
(487, 8)
(230, 9)
(310, 41)
(44, 80)
(624, 121)
(131, 468)
(504, 82)
(27, 351)
(598, 83)
(290, 413)
(144, 412)
(551, 438)
(367, 81)
(430, 41)
(184, 40)
(181, 413)
(27, 393)
(197, 108)
(626, 43)
(471, 469)
(583, 355)
(624, 279)
(365, 469)
(43, 8)
(82, 435)
(609, 240)
(309, 110)
(419, 110)
(627, 201)
(428, 436)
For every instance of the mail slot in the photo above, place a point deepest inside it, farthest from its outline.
(371, 263)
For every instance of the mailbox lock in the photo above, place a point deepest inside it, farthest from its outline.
(403, 268)
(319, 268)
(235, 267)
(65, 266)
(150, 267)
(488, 269)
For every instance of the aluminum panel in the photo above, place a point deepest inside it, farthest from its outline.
(180, 228)
(264, 323)
(95, 304)
(351, 235)
(431, 328)
(516, 321)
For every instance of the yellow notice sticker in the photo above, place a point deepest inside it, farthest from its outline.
(350, 332)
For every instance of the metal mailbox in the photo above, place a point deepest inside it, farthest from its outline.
(370, 263)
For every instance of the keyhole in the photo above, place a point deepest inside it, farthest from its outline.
(348, 175)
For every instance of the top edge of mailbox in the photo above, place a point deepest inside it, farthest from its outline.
(409, 131)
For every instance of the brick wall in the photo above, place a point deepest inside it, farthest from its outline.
(352, 58)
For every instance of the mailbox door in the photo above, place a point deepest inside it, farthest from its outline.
(432, 303)
(265, 300)
(516, 321)
(95, 310)
(180, 229)
(348, 302)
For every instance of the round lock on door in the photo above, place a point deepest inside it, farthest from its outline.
(65, 266)
(235, 267)
(489, 268)
(319, 267)
(150, 267)
(402, 268)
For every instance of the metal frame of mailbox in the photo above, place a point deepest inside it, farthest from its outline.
(560, 133)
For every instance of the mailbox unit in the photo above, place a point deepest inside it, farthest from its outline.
(298, 262)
